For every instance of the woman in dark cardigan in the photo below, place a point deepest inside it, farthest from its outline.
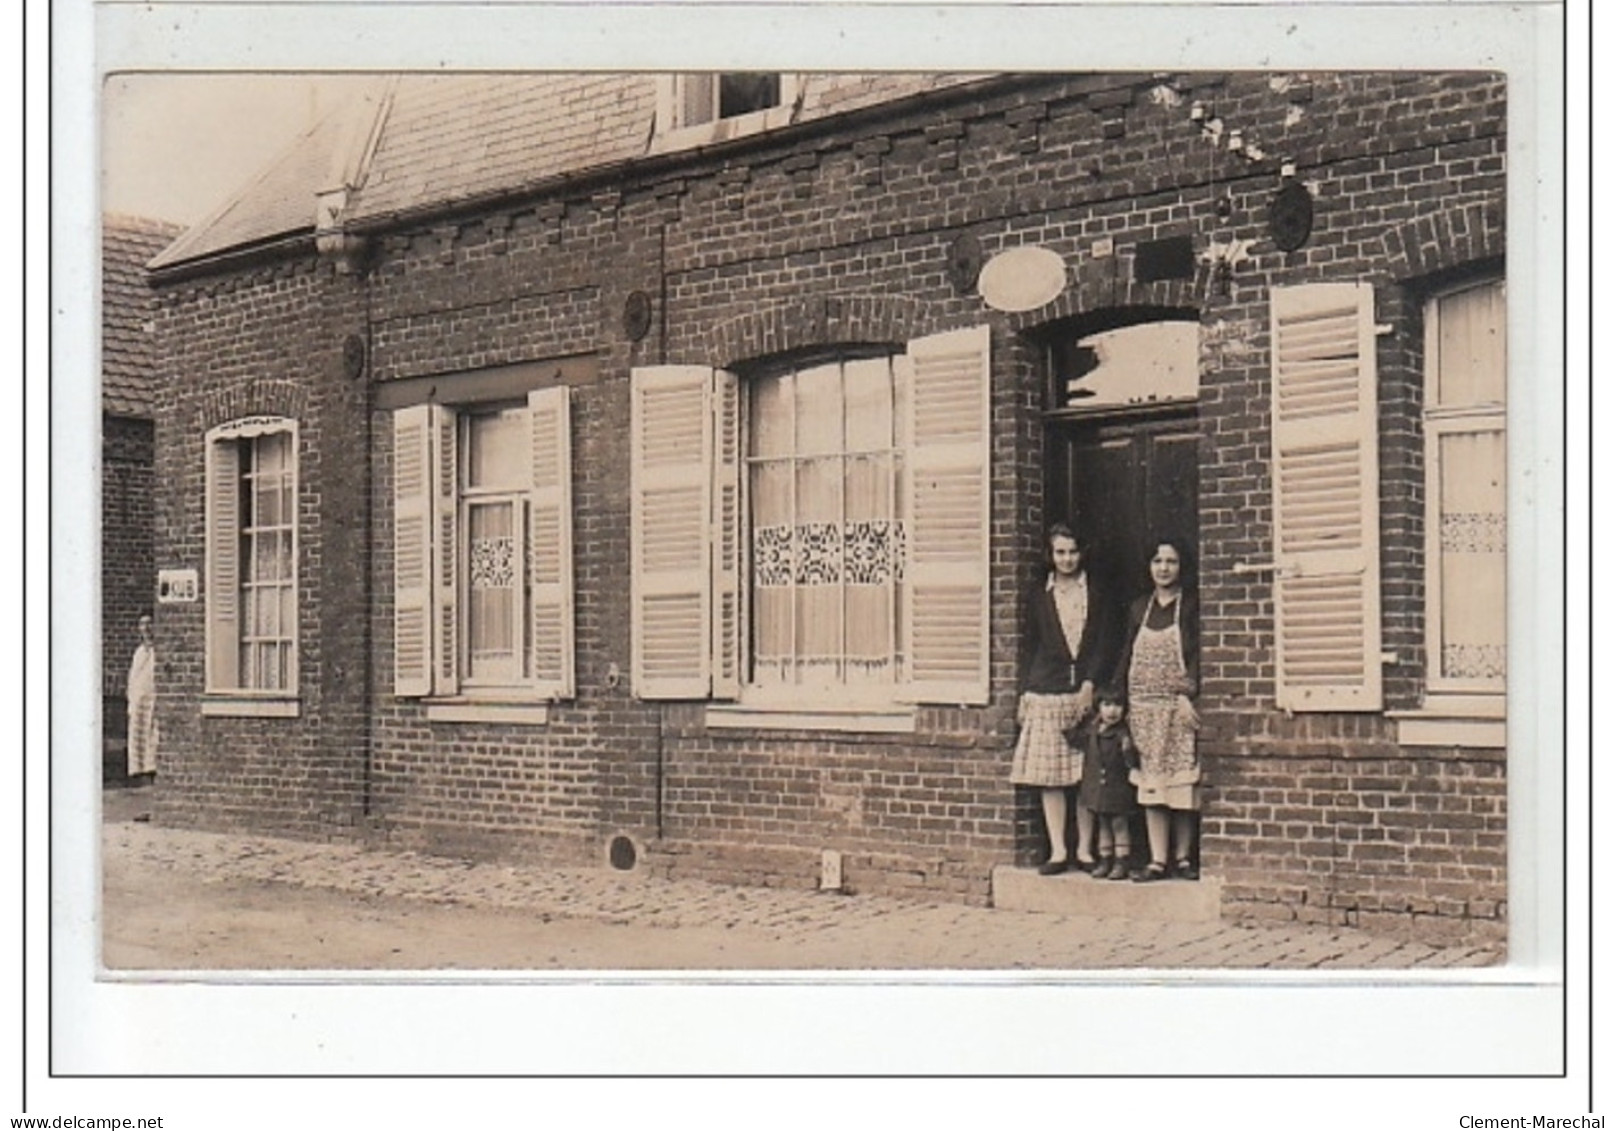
(1159, 671)
(1068, 642)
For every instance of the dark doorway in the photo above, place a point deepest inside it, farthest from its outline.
(1123, 482)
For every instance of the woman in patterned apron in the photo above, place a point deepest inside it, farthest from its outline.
(1067, 655)
(1160, 669)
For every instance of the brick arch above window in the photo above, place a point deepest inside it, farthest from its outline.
(1098, 290)
(255, 397)
(1443, 241)
(824, 320)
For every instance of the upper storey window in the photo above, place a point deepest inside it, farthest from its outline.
(698, 108)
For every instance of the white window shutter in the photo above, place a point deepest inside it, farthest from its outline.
(728, 619)
(444, 488)
(549, 531)
(223, 565)
(1325, 499)
(670, 531)
(946, 409)
(412, 551)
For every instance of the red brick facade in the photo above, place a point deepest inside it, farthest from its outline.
(839, 231)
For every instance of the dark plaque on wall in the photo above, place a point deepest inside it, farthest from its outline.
(353, 353)
(636, 312)
(1154, 260)
(1289, 216)
(964, 262)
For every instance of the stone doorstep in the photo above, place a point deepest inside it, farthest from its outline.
(1076, 893)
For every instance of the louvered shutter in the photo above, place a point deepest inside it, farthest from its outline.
(1325, 499)
(727, 597)
(412, 551)
(671, 502)
(549, 532)
(223, 564)
(444, 486)
(946, 417)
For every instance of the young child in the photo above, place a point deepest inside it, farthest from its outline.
(1108, 755)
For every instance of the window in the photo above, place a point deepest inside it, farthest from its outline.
(1465, 528)
(709, 106)
(493, 488)
(482, 550)
(814, 537)
(708, 97)
(824, 472)
(252, 557)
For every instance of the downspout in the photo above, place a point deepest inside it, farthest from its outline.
(661, 357)
(345, 176)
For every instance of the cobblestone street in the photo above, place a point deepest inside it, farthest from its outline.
(180, 899)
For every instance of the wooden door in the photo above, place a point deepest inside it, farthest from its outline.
(1123, 483)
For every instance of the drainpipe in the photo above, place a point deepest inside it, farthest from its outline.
(661, 708)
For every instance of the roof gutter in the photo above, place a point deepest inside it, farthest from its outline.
(292, 245)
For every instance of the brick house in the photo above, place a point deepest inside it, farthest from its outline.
(651, 467)
(127, 497)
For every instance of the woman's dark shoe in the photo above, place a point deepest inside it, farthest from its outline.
(1053, 867)
(1185, 870)
(1150, 873)
(1088, 866)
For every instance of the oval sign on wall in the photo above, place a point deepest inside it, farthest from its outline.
(1022, 278)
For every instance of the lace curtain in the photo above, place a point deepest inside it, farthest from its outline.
(827, 542)
(1467, 427)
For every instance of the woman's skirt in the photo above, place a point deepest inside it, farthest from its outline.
(1043, 757)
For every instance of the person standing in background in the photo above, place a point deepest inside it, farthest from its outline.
(143, 708)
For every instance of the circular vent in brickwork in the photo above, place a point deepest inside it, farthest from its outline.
(622, 853)
(636, 315)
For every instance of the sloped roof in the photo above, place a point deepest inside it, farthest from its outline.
(417, 141)
(279, 200)
(450, 137)
(127, 365)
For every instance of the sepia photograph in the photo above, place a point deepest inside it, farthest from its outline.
(650, 540)
(730, 520)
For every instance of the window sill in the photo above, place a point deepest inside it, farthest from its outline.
(251, 707)
(721, 129)
(1473, 722)
(474, 711)
(752, 716)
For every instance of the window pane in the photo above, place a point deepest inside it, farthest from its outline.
(1473, 556)
(1470, 337)
(700, 99)
(771, 418)
(266, 510)
(263, 605)
(273, 453)
(493, 590)
(869, 405)
(497, 450)
(743, 93)
(818, 410)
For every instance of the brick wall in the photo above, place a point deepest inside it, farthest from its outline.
(128, 577)
(846, 235)
(267, 340)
